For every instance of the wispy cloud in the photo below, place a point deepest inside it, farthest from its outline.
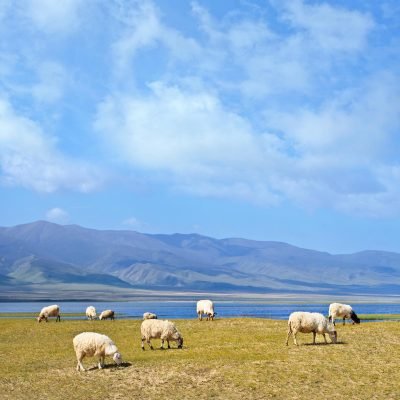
(261, 113)
(31, 159)
(57, 215)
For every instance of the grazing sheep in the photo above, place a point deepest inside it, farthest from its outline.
(342, 311)
(149, 315)
(94, 344)
(205, 307)
(49, 311)
(107, 314)
(307, 322)
(159, 329)
(91, 313)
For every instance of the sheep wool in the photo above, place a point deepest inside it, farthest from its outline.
(49, 311)
(91, 313)
(338, 310)
(205, 307)
(306, 322)
(93, 344)
(159, 329)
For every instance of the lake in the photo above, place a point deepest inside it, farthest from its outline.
(187, 309)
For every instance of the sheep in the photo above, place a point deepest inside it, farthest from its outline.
(149, 315)
(107, 314)
(205, 307)
(91, 313)
(49, 311)
(94, 344)
(160, 329)
(307, 322)
(344, 311)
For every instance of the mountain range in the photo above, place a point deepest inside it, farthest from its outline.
(46, 260)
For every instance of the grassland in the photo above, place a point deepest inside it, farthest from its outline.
(224, 359)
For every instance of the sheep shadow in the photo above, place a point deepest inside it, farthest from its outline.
(110, 366)
(324, 344)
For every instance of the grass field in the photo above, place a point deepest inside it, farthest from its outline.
(224, 359)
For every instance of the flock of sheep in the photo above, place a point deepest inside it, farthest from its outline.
(93, 344)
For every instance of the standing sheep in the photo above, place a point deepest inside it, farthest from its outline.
(307, 322)
(149, 315)
(94, 344)
(205, 307)
(49, 311)
(107, 314)
(91, 313)
(342, 311)
(159, 329)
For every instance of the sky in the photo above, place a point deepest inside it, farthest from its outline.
(267, 120)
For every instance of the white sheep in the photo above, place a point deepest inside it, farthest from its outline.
(307, 322)
(342, 311)
(160, 329)
(91, 313)
(149, 315)
(205, 307)
(107, 314)
(49, 311)
(94, 344)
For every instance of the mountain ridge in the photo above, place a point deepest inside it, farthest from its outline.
(47, 253)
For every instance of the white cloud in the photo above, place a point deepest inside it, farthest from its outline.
(141, 27)
(30, 159)
(57, 215)
(192, 139)
(54, 16)
(331, 27)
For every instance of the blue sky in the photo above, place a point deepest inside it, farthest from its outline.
(269, 120)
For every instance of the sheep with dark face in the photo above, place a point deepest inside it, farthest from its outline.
(94, 344)
(159, 329)
(107, 314)
(49, 311)
(306, 322)
(338, 310)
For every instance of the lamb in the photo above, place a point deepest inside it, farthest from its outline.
(344, 311)
(307, 322)
(107, 314)
(94, 344)
(49, 311)
(160, 329)
(205, 307)
(149, 315)
(91, 313)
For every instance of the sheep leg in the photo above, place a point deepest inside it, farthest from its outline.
(101, 362)
(168, 344)
(200, 316)
(288, 335)
(143, 339)
(80, 366)
(324, 338)
(314, 335)
(294, 338)
(150, 345)
(162, 344)
(58, 318)
(344, 320)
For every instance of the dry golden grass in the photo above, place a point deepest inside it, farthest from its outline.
(224, 359)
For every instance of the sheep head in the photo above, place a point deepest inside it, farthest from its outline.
(117, 358)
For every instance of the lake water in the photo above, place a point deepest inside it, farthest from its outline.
(187, 309)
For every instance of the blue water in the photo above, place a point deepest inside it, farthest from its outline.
(187, 309)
